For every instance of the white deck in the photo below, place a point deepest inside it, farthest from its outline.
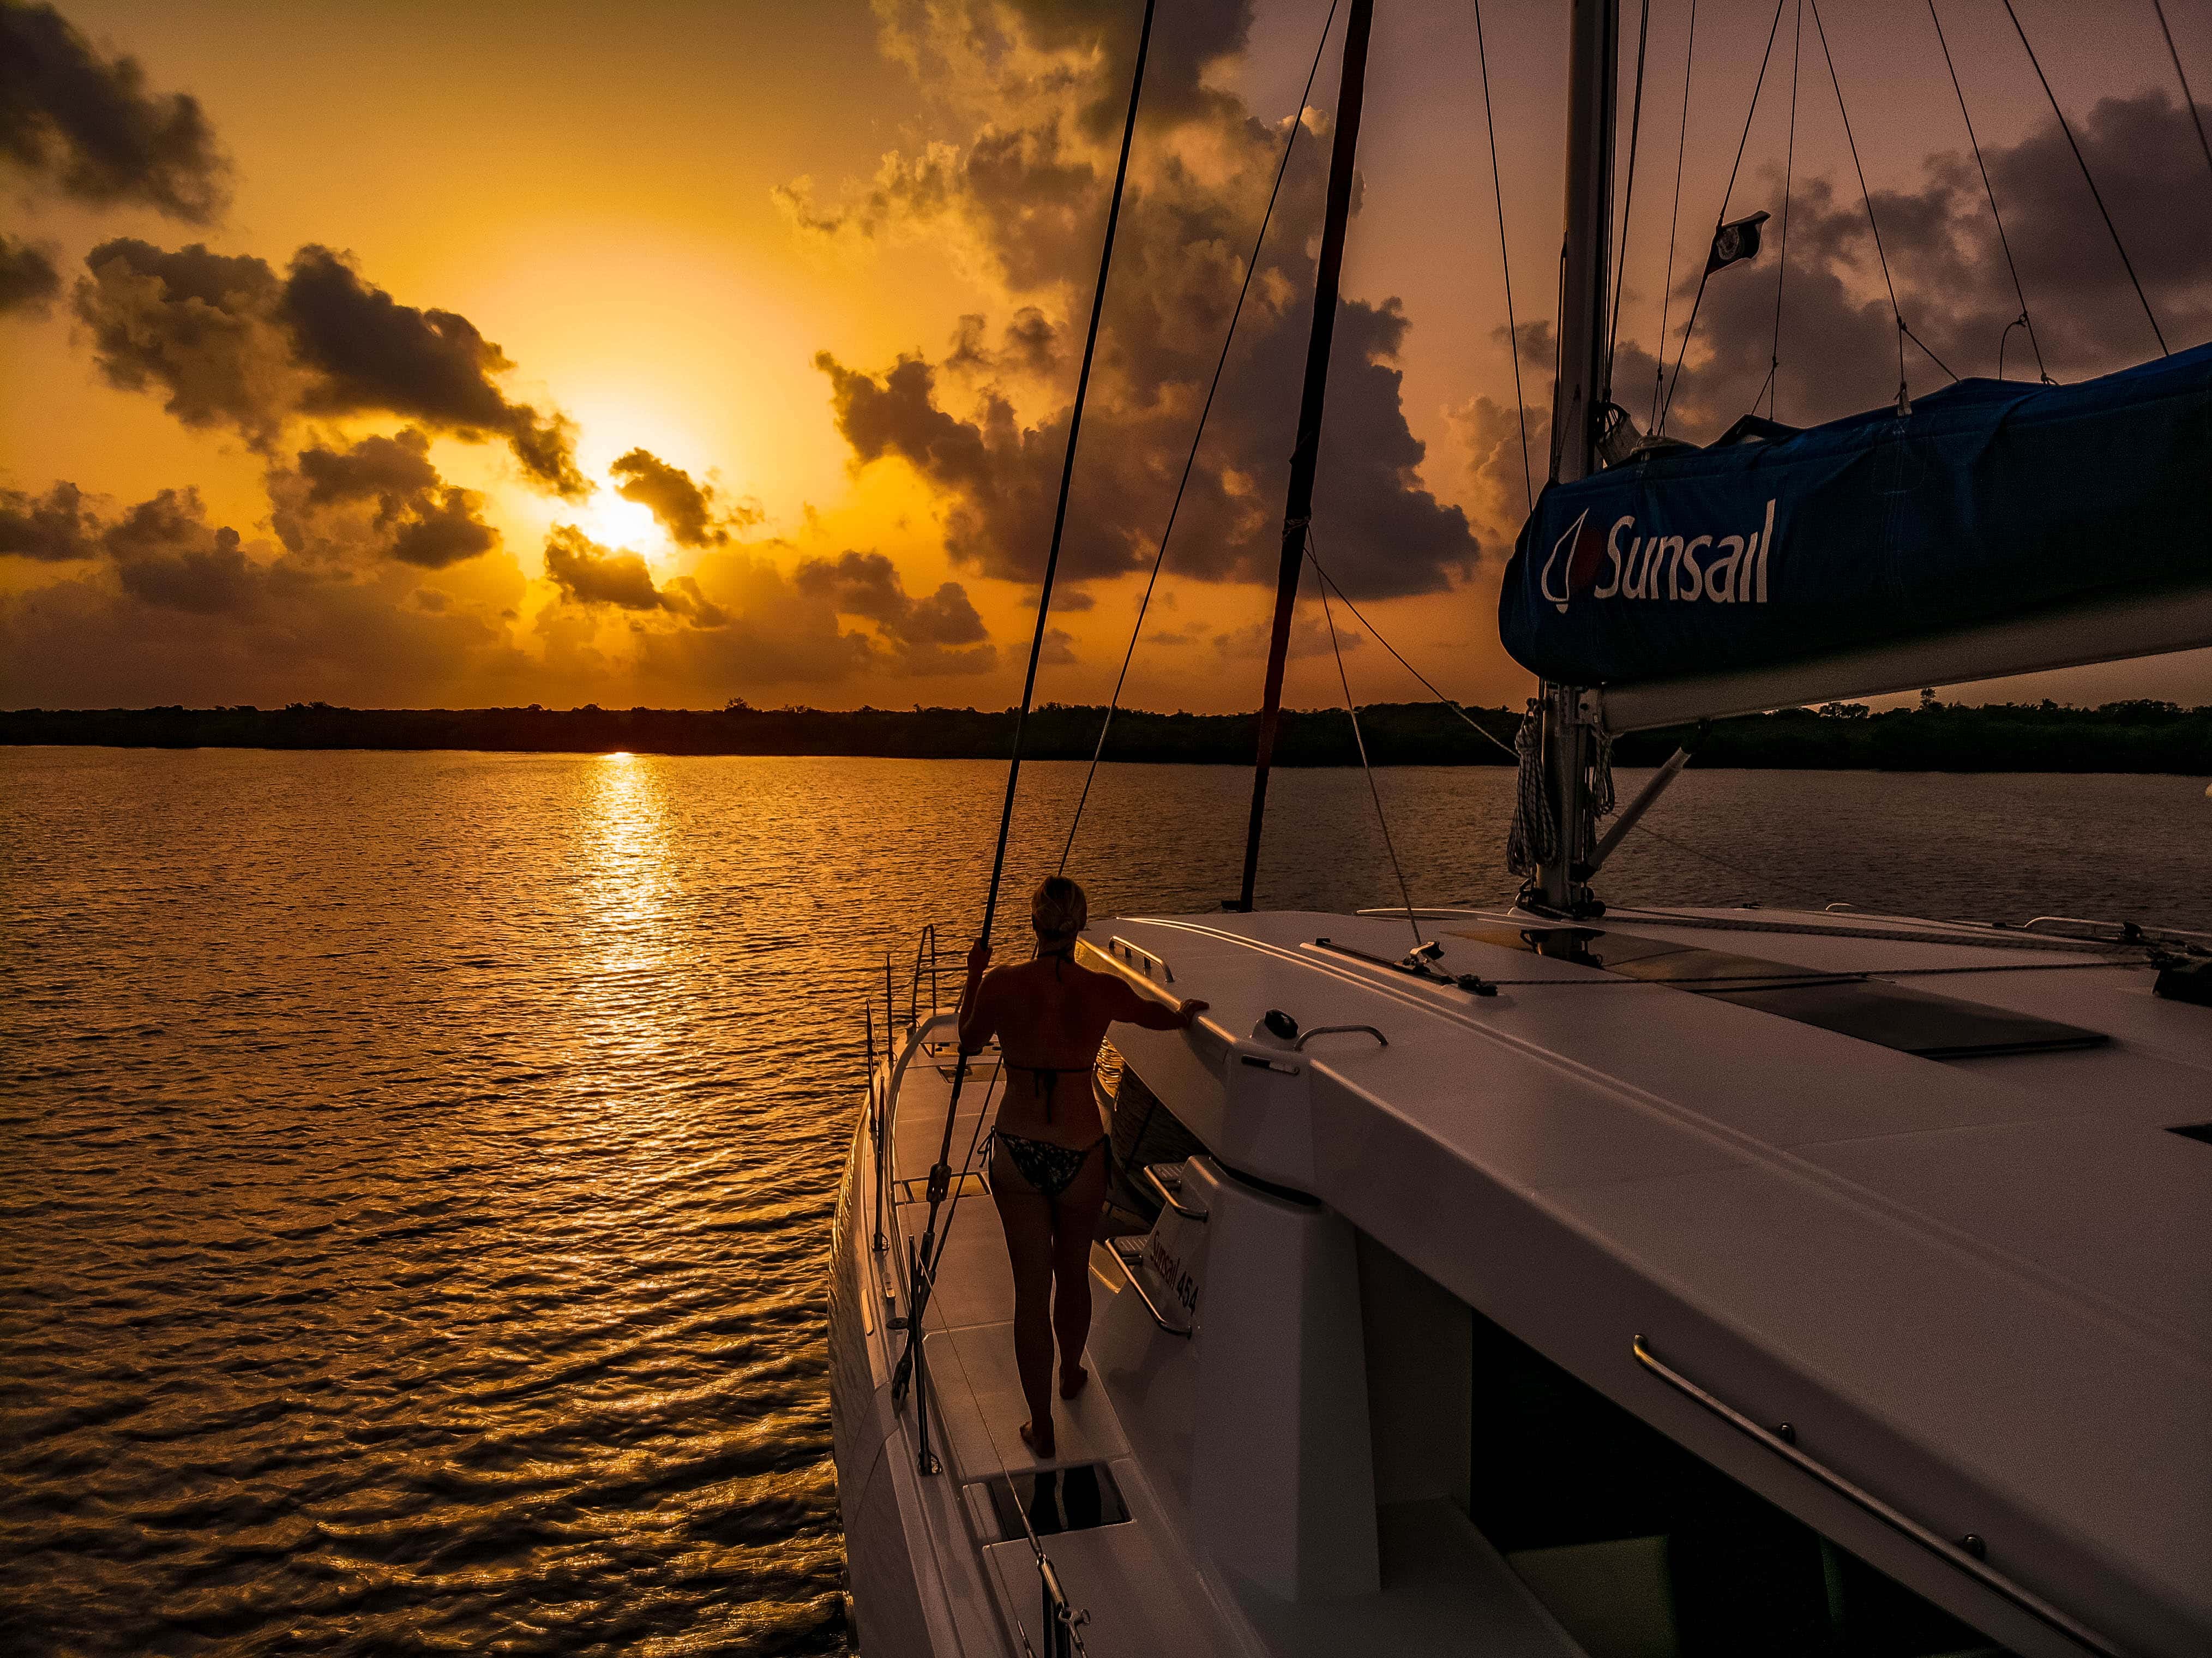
(1980, 1288)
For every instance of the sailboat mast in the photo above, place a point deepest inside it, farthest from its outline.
(1297, 510)
(1593, 92)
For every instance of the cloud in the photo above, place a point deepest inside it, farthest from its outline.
(179, 609)
(588, 574)
(88, 127)
(686, 508)
(938, 633)
(1017, 196)
(1310, 636)
(52, 527)
(167, 554)
(1840, 339)
(28, 280)
(381, 498)
(232, 345)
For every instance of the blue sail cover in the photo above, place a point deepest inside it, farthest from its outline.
(1989, 500)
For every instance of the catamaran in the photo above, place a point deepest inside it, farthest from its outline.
(1567, 1278)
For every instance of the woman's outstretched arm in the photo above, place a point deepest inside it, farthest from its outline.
(1146, 1014)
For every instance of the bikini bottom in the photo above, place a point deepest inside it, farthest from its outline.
(1050, 1168)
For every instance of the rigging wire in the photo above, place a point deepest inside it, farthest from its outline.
(1867, 197)
(2095, 194)
(1381, 819)
(1497, 192)
(1329, 583)
(1495, 741)
(1675, 224)
(1221, 363)
(1788, 177)
(1691, 326)
(2019, 293)
(2181, 75)
(1628, 199)
(940, 1172)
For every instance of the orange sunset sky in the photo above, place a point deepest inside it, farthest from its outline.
(665, 353)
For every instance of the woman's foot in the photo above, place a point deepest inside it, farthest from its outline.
(1072, 1382)
(1041, 1449)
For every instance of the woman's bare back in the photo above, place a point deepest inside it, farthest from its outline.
(1050, 1017)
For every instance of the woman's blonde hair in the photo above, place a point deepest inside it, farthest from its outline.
(1058, 908)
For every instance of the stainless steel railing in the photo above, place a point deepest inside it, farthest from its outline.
(1965, 1552)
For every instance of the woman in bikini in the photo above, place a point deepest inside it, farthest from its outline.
(1048, 1149)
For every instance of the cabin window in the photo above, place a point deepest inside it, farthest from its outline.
(1641, 1550)
(1145, 1130)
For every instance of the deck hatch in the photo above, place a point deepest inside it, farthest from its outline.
(1917, 1022)
(1080, 1499)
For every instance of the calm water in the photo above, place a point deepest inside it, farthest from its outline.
(418, 1166)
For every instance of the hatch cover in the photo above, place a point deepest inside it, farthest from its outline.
(1916, 1022)
(1076, 1498)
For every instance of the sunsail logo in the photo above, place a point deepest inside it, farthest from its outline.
(1721, 570)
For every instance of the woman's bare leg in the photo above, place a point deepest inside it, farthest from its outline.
(1074, 1224)
(1027, 1215)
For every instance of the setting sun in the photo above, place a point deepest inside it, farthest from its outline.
(613, 522)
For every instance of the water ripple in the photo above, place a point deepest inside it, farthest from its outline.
(418, 1167)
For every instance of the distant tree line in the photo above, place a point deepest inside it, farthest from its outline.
(2138, 736)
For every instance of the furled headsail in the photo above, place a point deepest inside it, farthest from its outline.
(1996, 527)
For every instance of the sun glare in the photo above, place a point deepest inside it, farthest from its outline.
(622, 525)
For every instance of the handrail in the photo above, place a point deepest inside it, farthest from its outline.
(925, 939)
(1171, 1196)
(1338, 1031)
(1118, 943)
(1129, 1252)
(1965, 1553)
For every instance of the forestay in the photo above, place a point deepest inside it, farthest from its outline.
(1987, 502)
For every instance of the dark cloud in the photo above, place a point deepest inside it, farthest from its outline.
(28, 280)
(168, 556)
(1021, 199)
(1021, 53)
(231, 343)
(1840, 339)
(52, 527)
(937, 633)
(88, 127)
(690, 511)
(1030, 344)
(381, 498)
(588, 574)
(181, 611)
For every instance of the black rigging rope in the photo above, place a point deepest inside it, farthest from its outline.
(1691, 326)
(2188, 98)
(1498, 192)
(1628, 201)
(1867, 197)
(1789, 177)
(940, 1173)
(1382, 818)
(2081, 161)
(1989, 190)
(1251, 265)
(1675, 222)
